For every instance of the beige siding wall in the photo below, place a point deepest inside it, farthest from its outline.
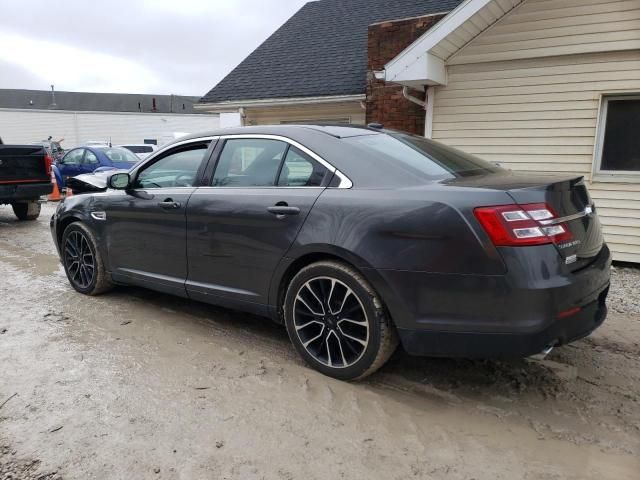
(540, 115)
(351, 111)
(545, 28)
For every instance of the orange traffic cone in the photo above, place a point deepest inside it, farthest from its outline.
(55, 195)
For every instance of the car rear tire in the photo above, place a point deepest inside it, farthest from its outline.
(26, 210)
(82, 261)
(337, 322)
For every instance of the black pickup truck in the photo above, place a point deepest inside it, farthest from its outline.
(25, 176)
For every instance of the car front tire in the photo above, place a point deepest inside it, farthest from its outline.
(82, 261)
(26, 210)
(337, 322)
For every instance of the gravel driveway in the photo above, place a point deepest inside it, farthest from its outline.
(624, 296)
(135, 384)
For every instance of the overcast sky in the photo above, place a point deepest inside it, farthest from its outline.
(135, 46)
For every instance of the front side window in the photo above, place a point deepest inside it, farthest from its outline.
(177, 169)
(619, 143)
(300, 170)
(249, 162)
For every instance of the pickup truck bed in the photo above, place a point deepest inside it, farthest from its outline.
(25, 176)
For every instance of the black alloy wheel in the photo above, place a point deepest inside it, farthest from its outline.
(82, 261)
(337, 322)
(331, 322)
(79, 260)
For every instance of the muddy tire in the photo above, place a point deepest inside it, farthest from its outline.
(26, 210)
(337, 322)
(82, 261)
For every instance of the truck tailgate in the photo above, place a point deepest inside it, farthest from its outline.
(23, 164)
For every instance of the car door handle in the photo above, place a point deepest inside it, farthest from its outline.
(283, 210)
(169, 204)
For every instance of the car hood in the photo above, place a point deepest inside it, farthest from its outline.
(92, 182)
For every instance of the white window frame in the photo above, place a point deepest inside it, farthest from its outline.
(623, 176)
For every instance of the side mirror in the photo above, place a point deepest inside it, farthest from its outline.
(119, 181)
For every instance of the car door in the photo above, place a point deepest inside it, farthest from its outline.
(242, 224)
(71, 163)
(89, 162)
(146, 224)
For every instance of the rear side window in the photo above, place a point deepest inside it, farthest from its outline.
(120, 155)
(300, 170)
(90, 158)
(249, 162)
(74, 157)
(423, 157)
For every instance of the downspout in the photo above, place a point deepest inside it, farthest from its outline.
(428, 123)
(411, 98)
(427, 105)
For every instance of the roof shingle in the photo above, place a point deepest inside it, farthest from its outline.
(320, 51)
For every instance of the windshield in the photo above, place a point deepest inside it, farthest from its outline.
(424, 157)
(120, 155)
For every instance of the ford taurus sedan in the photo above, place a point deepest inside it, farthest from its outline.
(356, 239)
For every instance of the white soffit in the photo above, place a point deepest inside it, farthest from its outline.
(277, 102)
(424, 61)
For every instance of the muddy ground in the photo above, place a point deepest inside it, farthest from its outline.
(136, 385)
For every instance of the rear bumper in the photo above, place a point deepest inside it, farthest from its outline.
(512, 315)
(506, 345)
(24, 191)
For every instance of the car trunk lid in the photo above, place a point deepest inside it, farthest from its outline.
(573, 207)
(568, 199)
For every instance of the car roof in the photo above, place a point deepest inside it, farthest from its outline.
(290, 130)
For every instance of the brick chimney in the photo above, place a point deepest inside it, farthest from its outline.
(385, 103)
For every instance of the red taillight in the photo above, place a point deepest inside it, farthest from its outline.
(521, 225)
(47, 164)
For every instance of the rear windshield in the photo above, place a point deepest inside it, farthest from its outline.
(120, 155)
(422, 156)
(139, 148)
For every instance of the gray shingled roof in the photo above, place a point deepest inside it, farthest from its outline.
(321, 50)
(98, 102)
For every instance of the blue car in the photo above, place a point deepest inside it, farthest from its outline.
(89, 159)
